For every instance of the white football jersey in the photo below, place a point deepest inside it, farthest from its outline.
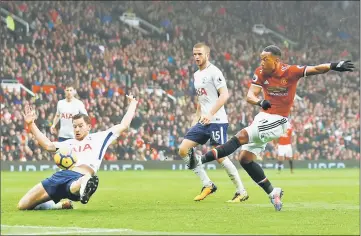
(67, 110)
(207, 82)
(91, 150)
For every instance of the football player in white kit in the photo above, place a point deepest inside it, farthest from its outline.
(66, 109)
(210, 122)
(80, 182)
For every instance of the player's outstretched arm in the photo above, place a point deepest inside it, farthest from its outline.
(341, 66)
(128, 117)
(30, 117)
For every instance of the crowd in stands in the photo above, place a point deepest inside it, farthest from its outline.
(85, 41)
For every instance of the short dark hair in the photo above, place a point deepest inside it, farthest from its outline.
(274, 50)
(85, 118)
(69, 84)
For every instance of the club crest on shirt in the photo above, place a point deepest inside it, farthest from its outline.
(283, 81)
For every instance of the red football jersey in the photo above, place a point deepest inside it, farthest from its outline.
(280, 87)
(286, 138)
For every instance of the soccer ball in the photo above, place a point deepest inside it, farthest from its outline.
(64, 159)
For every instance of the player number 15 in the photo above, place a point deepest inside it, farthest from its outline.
(216, 135)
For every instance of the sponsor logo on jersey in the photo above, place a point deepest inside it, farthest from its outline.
(82, 148)
(66, 116)
(204, 80)
(277, 91)
(201, 91)
(300, 67)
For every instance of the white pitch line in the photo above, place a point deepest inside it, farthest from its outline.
(51, 230)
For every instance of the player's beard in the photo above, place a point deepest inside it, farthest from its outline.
(202, 63)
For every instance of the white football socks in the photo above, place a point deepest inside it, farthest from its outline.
(206, 181)
(233, 174)
(200, 172)
(49, 205)
(186, 159)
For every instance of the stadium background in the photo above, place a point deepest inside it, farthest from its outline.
(88, 43)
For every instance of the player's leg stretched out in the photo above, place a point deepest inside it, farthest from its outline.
(47, 194)
(272, 123)
(248, 154)
(81, 182)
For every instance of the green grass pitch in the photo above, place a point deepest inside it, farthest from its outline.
(318, 202)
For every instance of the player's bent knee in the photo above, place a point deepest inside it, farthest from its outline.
(246, 157)
(242, 136)
(220, 160)
(75, 187)
(182, 152)
(22, 205)
(19, 206)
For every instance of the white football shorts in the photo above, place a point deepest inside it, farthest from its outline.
(285, 150)
(264, 128)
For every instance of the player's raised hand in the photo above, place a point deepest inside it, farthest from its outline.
(205, 119)
(342, 66)
(131, 98)
(29, 114)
